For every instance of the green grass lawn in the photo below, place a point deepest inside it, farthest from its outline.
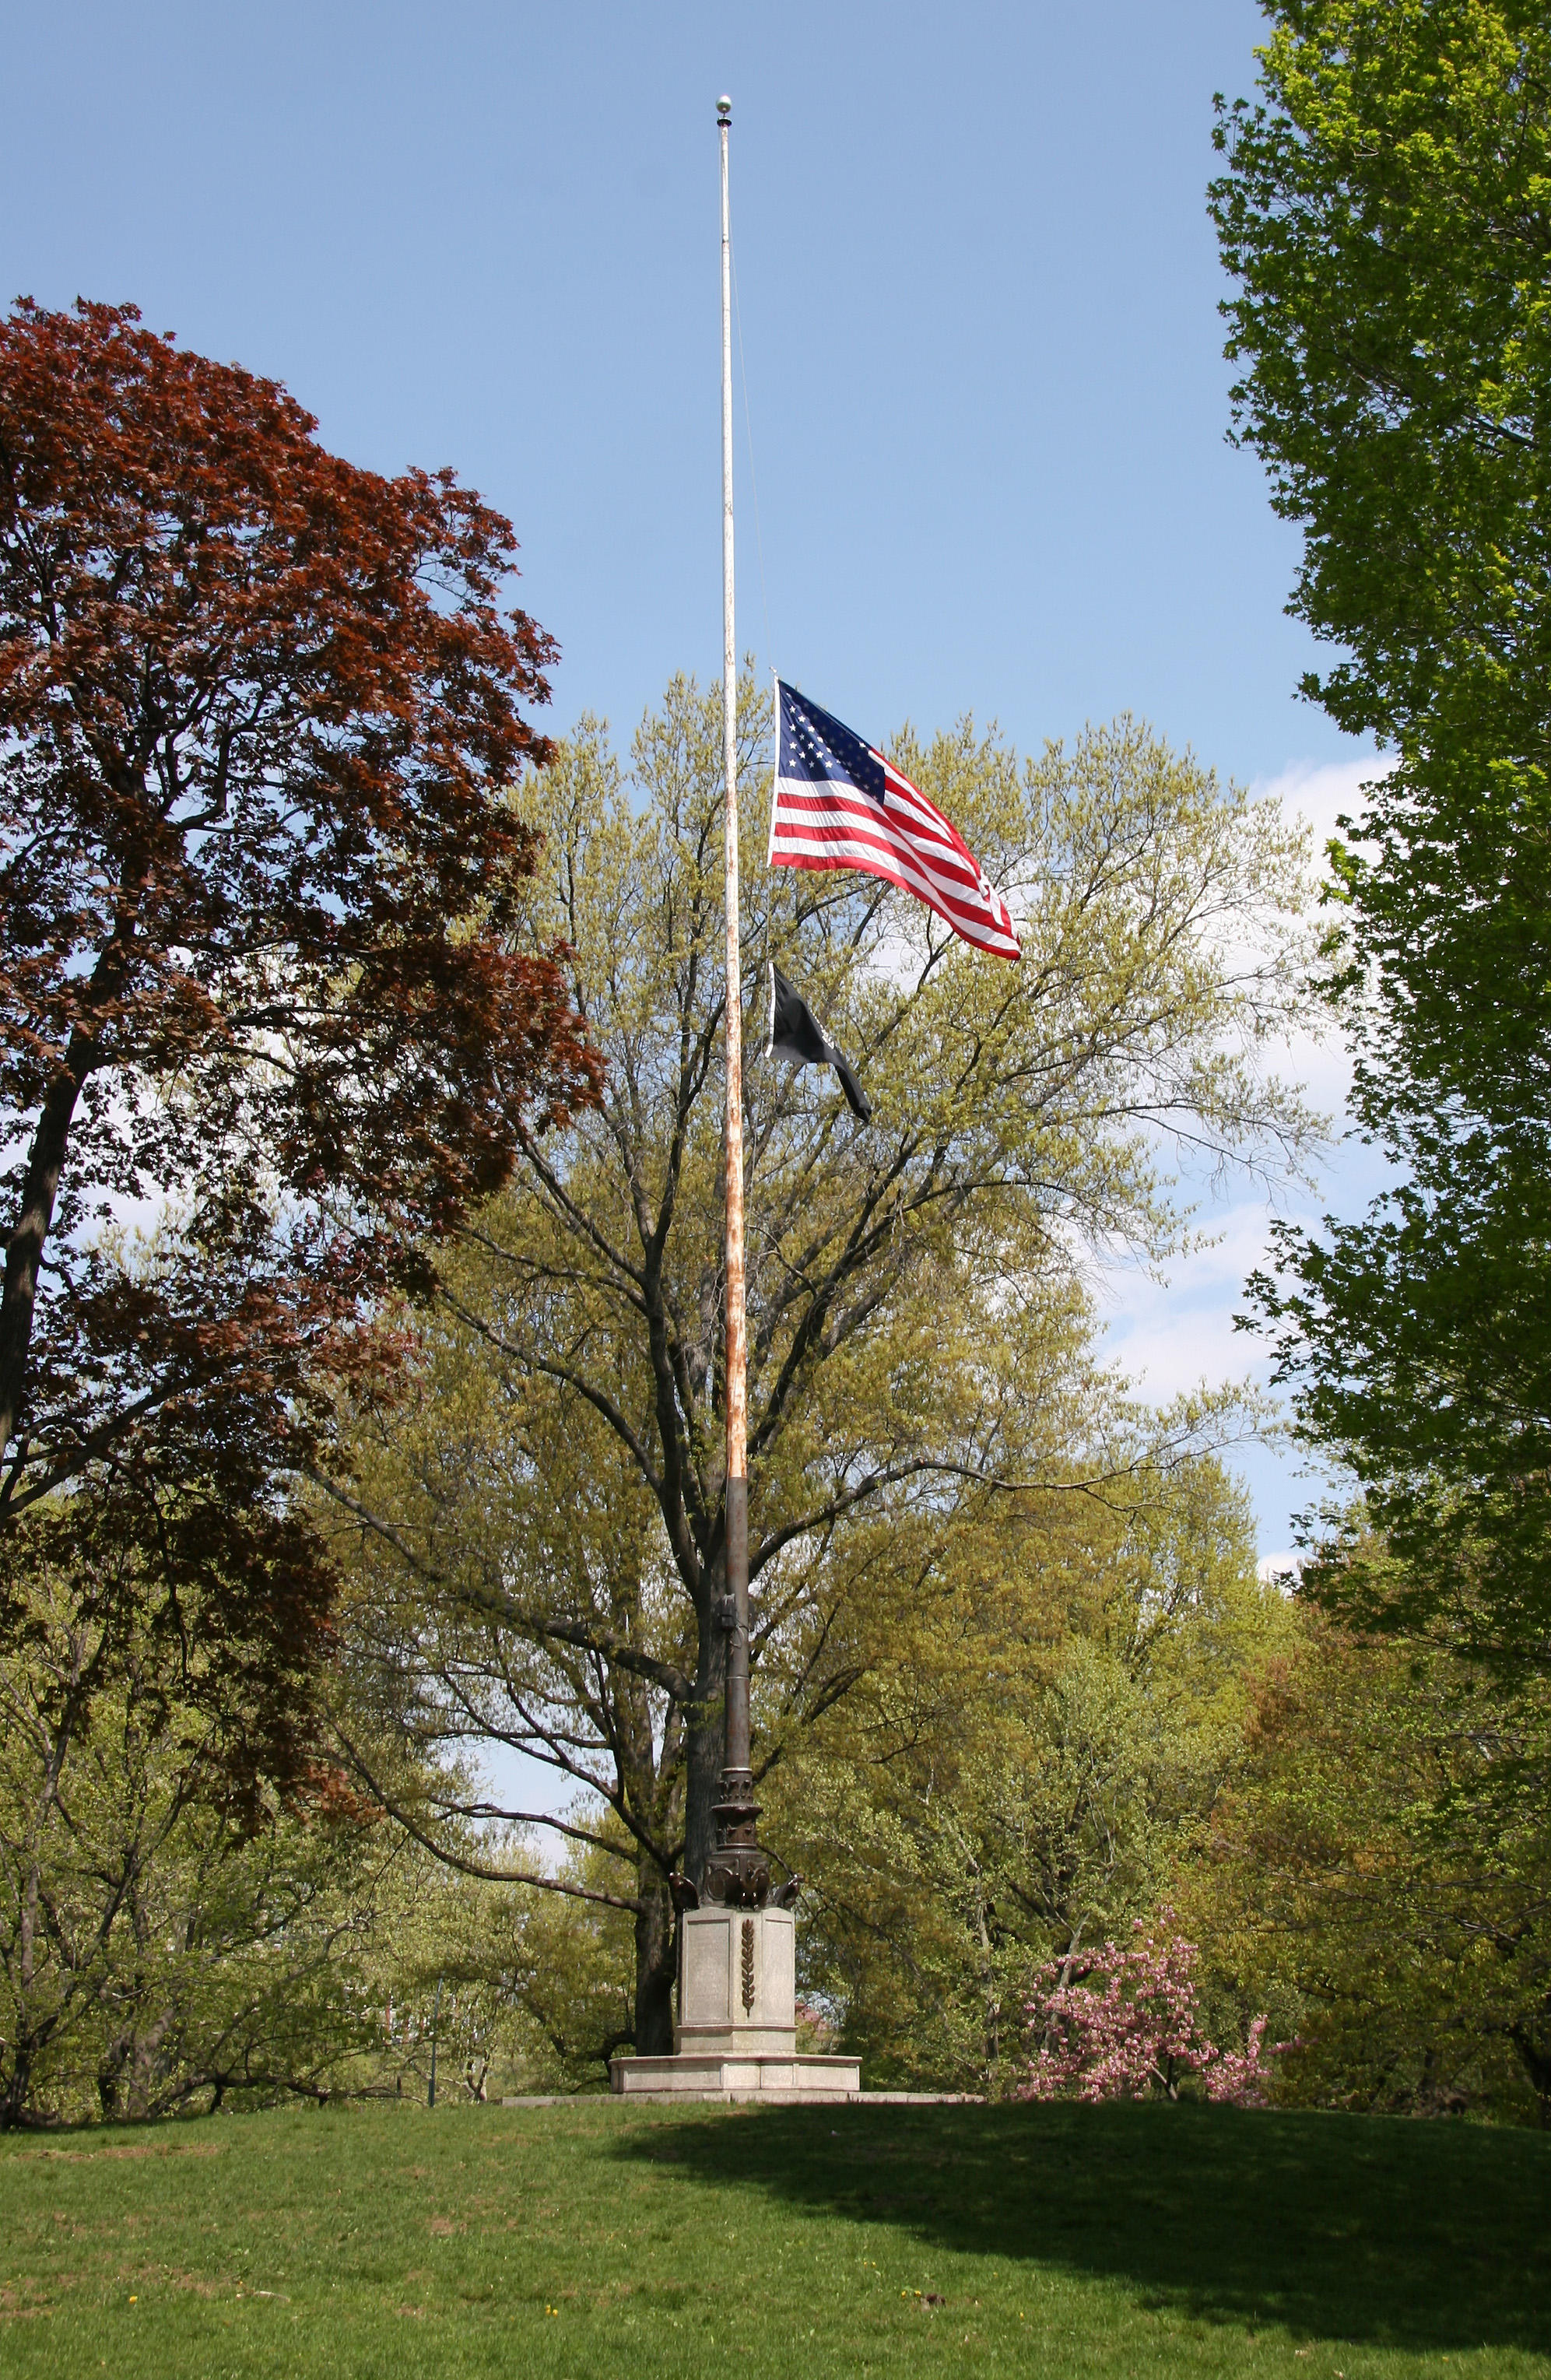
(595, 2237)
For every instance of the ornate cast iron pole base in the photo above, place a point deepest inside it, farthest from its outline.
(738, 1872)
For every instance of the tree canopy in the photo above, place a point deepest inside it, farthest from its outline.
(1386, 211)
(1376, 1870)
(266, 965)
(540, 1548)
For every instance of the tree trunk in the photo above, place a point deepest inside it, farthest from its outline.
(655, 1963)
(14, 2094)
(24, 1250)
(110, 2077)
(45, 1163)
(1536, 2063)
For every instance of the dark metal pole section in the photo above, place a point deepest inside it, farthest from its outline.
(737, 1870)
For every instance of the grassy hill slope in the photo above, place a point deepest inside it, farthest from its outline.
(594, 2239)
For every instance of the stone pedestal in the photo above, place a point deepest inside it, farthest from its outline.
(692, 2077)
(738, 1982)
(736, 2033)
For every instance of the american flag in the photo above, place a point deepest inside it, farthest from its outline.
(840, 804)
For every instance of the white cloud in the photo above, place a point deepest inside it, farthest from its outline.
(1170, 1335)
(1174, 1334)
(1322, 791)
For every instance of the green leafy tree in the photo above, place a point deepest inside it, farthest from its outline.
(1387, 215)
(572, 1971)
(1386, 211)
(1379, 1874)
(515, 1990)
(1032, 1756)
(536, 1536)
(159, 1948)
(167, 1943)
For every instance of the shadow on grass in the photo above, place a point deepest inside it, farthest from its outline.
(1409, 2235)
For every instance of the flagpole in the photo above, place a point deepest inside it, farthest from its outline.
(737, 1870)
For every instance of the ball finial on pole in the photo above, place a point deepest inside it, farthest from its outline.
(725, 109)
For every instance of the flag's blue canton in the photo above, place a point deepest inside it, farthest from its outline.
(817, 746)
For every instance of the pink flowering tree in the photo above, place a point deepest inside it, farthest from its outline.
(1121, 2023)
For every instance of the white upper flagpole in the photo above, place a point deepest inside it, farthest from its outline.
(737, 1782)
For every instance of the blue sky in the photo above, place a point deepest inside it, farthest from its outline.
(978, 299)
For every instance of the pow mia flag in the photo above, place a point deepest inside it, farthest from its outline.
(795, 1033)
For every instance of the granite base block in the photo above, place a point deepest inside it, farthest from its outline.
(739, 2075)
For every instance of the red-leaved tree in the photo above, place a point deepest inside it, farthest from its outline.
(263, 961)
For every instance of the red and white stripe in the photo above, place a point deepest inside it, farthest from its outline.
(905, 840)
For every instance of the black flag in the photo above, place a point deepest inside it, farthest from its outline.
(795, 1033)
